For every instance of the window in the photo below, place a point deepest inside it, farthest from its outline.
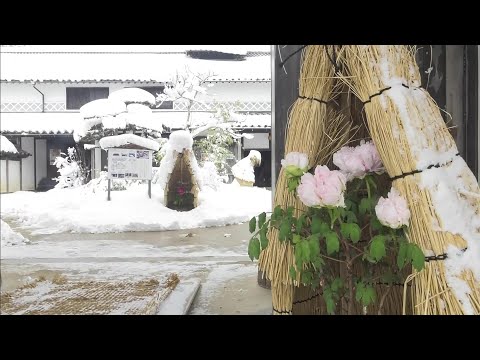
(154, 90)
(79, 96)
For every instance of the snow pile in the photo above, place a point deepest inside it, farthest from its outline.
(141, 116)
(243, 169)
(6, 145)
(75, 210)
(126, 139)
(114, 122)
(100, 184)
(455, 197)
(102, 107)
(419, 134)
(209, 176)
(180, 140)
(133, 95)
(10, 237)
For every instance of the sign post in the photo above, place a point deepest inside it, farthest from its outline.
(132, 164)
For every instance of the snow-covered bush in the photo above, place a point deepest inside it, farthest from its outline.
(72, 171)
(209, 175)
(215, 148)
(100, 184)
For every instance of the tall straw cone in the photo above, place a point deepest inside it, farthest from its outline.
(410, 135)
(317, 133)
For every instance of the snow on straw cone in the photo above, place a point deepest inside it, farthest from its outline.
(313, 131)
(442, 192)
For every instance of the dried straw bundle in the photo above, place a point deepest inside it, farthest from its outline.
(316, 132)
(421, 156)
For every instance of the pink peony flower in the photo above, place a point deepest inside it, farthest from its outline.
(295, 163)
(393, 211)
(325, 188)
(356, 162)
(181, 190)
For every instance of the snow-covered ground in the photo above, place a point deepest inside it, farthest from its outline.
(10, 237)
(217, 257)
(80, 210)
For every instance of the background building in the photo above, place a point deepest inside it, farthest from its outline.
(42, 88)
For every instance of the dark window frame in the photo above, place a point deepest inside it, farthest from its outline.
(75, 99)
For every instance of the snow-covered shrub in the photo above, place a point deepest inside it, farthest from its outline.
(71, 169)
(100, 184)
(209, 175)
(215, 148)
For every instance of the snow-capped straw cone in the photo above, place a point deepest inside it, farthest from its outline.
(318, 133)
(410, 134)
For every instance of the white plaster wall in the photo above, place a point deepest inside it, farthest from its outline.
(259, 141)
(24, 92)
(258, 92)
(3, 176)
(14, 176)
(28, 177)
(40, 159)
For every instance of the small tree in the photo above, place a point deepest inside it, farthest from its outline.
(219, 134)
(71, 169)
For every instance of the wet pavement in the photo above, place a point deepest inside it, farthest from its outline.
(217, 256)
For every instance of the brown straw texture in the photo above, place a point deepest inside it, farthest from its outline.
(318, 133)
(405, 124)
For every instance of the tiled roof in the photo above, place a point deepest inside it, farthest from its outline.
(96, 66)
(65, 123)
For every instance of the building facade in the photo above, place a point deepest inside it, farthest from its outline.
(43, 87)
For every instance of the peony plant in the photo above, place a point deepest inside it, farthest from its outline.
(350, 220)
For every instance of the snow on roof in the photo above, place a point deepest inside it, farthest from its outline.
(133, 95)
(234, 49)
(126, 139)
(180, 140)
(102, 107)
(39, 123)
(6, 145)
(111, 67)
(65, 123)
(255, 121)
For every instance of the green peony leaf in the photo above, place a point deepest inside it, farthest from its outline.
(377, 247)
(418, 258)
(365, 206)
(314, 245)
(293, 272)
(304, 244)
(298, 257)
(300, 223)
(296, 238)
(402, 255)
(333, 244)
(261, 219)
(285, 230)
(254, 249)
(263, 238)
(345, 230)
(355, 232)
(252, 224)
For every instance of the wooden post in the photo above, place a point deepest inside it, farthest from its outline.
(108, 190)
(150, 189)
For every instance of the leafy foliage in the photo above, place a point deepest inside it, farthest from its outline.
(351, 235)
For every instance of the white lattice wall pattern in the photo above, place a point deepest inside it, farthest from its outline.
(243, 106)
(32, 107)
(180, 106)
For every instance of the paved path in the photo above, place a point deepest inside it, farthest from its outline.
(228, 277)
